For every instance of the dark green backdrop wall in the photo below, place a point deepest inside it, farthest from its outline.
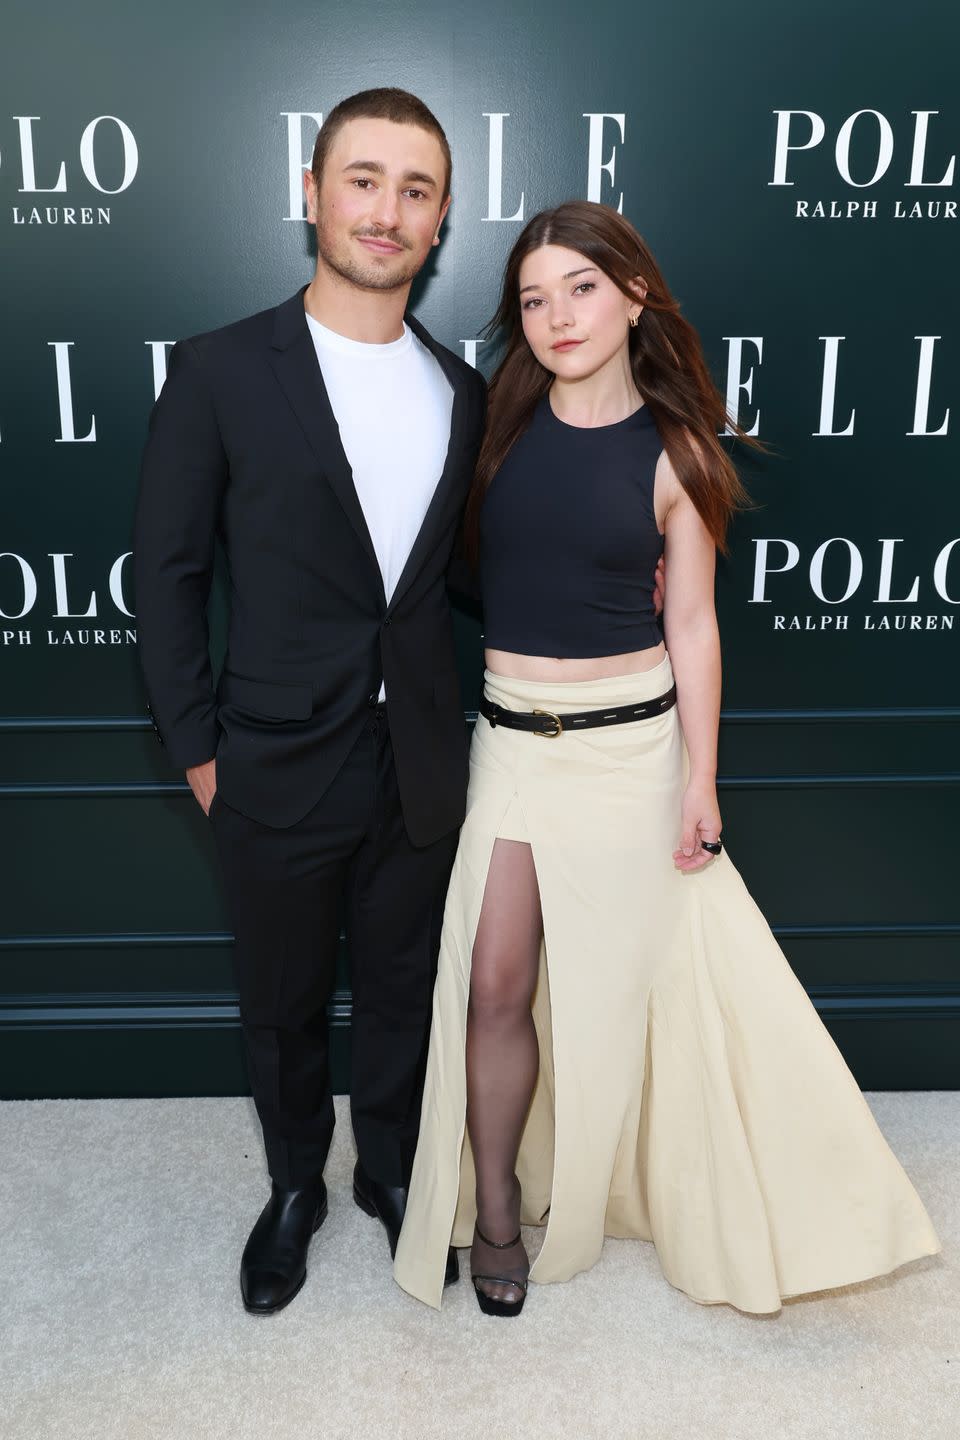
(793, 169)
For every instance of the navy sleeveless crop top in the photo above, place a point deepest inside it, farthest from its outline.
(569, 540)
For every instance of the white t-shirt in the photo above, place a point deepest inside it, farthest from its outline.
(393, 405)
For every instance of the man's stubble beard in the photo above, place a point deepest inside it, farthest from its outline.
(363, 276)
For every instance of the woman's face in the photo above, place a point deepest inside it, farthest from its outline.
(574, 318)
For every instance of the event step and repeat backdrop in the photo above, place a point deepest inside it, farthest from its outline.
(794, 170)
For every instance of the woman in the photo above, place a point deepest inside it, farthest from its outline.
(614, 1023)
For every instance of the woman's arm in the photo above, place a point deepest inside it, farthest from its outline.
(693, 644)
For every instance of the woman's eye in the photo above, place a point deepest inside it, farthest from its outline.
(584, 286)
(529, 304)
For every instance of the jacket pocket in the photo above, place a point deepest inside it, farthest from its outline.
(273, 699)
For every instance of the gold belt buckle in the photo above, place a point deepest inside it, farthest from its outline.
(549, 734)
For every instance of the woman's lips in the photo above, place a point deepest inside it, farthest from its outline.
(566, 345)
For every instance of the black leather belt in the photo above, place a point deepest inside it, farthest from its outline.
(546, 723)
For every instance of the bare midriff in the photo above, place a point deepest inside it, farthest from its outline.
(550, 667)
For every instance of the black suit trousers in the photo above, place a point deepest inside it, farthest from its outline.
(287, 889)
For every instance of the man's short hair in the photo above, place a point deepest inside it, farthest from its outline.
(385, 104)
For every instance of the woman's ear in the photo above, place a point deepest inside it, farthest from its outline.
(639, 289)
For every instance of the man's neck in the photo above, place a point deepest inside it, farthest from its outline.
(374, 317)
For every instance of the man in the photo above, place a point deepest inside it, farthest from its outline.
(330, 444)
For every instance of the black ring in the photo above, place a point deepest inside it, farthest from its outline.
(713, 846)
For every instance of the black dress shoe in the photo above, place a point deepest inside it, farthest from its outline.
(387, 1204)
(274, 1264)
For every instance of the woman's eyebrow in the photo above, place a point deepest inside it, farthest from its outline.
(569, 276)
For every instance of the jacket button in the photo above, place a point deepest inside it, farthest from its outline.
(373, 701)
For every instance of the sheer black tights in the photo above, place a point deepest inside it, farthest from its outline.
(502, 1054)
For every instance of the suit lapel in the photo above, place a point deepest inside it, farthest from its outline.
(448, 486)
(294, 361)
(295, 364)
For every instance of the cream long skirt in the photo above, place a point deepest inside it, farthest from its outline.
(688, 1094)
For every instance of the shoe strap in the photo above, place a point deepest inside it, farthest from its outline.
(502, 1280)
(498, 1244)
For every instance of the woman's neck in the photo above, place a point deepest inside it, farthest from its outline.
(603, 398)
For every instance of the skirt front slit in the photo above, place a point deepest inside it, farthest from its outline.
(688, 1093)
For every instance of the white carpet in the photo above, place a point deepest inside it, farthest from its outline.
(121, 1227)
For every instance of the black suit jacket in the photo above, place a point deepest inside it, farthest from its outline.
(243, 444)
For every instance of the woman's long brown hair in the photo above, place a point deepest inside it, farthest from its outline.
(666, 358)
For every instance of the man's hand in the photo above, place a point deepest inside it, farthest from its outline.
(659, 587)
(202, 780)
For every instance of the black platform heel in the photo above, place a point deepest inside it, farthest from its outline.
(487, 1304)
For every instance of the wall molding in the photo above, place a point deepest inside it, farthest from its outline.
(130, 1009)
(841, 780)
(158, 939)
(94, 789)
(177, 1010)
(140, 789)
(39, 724)
(921, 714)
(116, 939)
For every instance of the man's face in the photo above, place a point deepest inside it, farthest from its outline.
(379, 205)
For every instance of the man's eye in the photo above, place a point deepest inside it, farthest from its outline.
(363, 181)
(417, 194)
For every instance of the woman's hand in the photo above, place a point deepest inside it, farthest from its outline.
(699, 820)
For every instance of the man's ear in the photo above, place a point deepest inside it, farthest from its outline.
(440, 219)
(310, 192)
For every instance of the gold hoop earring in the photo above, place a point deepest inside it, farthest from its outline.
(634, 320)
